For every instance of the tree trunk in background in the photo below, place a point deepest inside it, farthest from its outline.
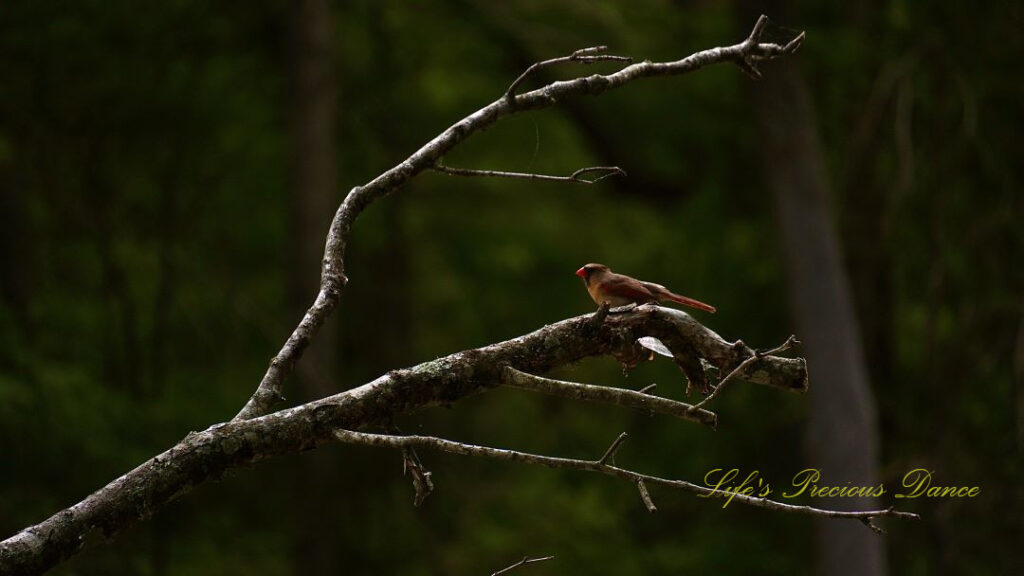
(312, 177)
(842, 432)
(312, 192)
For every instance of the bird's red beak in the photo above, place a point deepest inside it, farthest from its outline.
(581, 272)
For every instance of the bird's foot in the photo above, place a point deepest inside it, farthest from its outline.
(599, 316)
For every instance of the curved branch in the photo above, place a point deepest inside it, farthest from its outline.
(208, 455)
(333, 279)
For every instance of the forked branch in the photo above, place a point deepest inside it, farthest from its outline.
(333, 278)
(582, 56)
(209, 454)
(742, 367)
(601, 465)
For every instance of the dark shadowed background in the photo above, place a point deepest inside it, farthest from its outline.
(167, 172)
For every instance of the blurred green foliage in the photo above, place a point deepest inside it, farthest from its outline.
(143, 238)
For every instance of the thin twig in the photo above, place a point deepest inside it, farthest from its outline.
(576, 177)
(646, 496)
(609, 454)
(784, 347)
(583, 56)
(721, 384)
(755, 34)
(647, 389)
(451, 447)
(789, 343)
(874, 528)
(525, 560)
(760, 51)
(609, 395)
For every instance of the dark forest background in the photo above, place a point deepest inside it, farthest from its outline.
(168, 170)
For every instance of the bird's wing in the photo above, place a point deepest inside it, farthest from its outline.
(627, 287)
(655, 289)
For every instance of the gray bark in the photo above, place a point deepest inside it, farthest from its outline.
(208, 455)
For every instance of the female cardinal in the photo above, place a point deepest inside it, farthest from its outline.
(620, 290)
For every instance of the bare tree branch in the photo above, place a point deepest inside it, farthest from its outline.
(789, 343)
(209, 454)
(721, 384)
(761, 51)
(583, 56)
(451, 447)
(525, 560)
(608, 395)
(646, 496)
(609, 454)
(647, 389)
(333, 278)
(576, 177)
(786, 346)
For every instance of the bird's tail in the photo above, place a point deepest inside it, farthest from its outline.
(690, 302)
